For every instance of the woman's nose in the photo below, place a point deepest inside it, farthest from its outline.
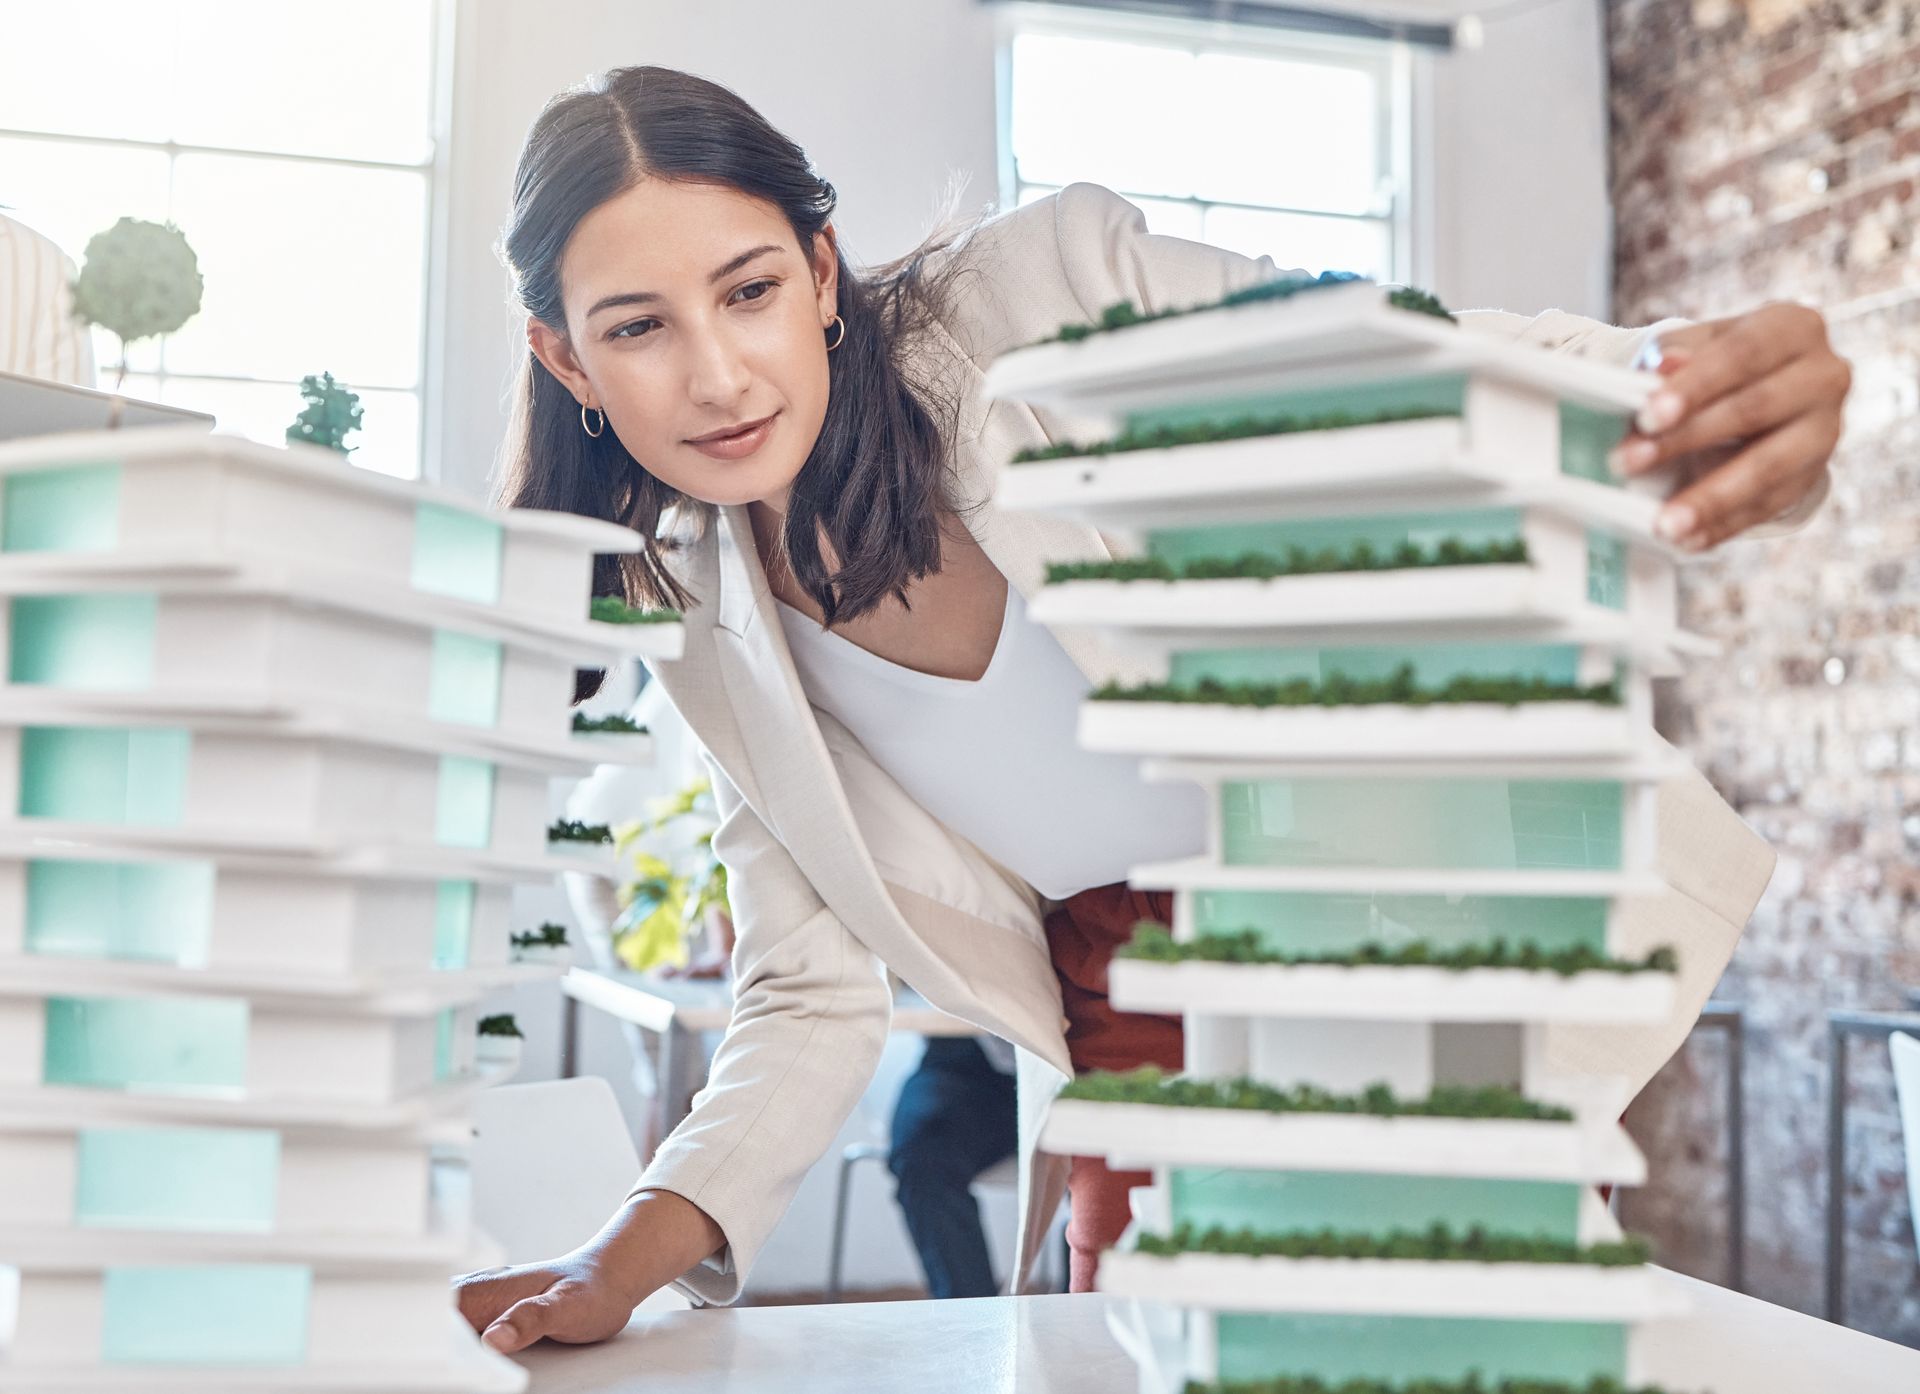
(718, 375)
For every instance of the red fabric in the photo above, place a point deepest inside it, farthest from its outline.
(1082, 933)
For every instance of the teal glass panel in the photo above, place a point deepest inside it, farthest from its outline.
(178, 1178)
(464, 810)
(1586, 437)
(104, 774)
(457, 553)
(1178, 546)
(465, 686)
(149, 911)
(1606, 570)
(73, 509)
(102, 643)
(1433, 664)
(443, 1027)
(1312, 922)
(1437, 394)
(175, 1044)
(1336, 1348)
(206, 1314)
(1276, 1202)
(1504, 824)
(452, 923)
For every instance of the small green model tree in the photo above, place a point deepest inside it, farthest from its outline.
(138, 280)
(330, 414)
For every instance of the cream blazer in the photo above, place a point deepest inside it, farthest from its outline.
(836, 875)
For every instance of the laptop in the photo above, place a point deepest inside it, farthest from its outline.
(36, 407)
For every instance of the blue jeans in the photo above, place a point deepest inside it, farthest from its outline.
(955, 1118)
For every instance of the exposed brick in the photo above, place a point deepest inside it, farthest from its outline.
(1726, 114)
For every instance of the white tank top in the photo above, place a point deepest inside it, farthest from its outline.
(996, 759)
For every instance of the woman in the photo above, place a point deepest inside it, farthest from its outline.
(890, 740)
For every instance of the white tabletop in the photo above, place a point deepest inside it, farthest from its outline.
(654, 1003)
(1060, 1345)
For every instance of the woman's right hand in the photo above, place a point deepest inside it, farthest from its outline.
(569, 1299)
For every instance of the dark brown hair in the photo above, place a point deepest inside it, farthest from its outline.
(877, 478)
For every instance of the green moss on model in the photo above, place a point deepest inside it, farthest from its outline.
(572, 830)
(1150, 1085)
(1342, 691)
(1295, 561)
(607, 725)
(500, 1024)
(548, 936)
(610, 609)
(1438, 1244)
(1472, 1384)
(1152, 943)
(1124, 314)
(1208, 432)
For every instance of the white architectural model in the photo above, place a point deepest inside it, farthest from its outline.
(275, 738)
(1383, 600)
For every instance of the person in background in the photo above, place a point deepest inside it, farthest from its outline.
(957, 1115)
(39, 337)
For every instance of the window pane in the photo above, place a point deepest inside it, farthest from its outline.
(351, 79)
(309, 268)
(388, 440)
(1276, 132)
(1299, 241)
(70, 191)
(1098, 109)
(102, 68)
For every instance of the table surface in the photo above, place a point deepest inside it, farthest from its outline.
(654, 1003)
(1060, 1345)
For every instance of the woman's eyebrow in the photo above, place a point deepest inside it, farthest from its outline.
(641, 297)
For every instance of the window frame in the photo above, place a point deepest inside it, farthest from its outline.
(1403, 78)
(433, 169)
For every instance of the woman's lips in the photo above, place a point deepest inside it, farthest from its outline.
(740, 446)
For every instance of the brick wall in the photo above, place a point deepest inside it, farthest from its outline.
(1770, 149)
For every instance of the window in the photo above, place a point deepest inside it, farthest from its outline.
(293, 146)
(1288, 145)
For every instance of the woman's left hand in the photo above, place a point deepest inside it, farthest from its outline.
(1749, 411)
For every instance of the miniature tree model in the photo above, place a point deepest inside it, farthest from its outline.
(331, 414)
(139, 280)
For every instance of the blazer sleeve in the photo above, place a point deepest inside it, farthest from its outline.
(811, 1012)
(1715, 866)
(1107, 255)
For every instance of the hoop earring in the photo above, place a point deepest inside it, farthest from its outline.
(588, 429)
(843, 334)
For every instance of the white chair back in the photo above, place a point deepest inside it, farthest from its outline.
(1906, 1087)
(551, 1161)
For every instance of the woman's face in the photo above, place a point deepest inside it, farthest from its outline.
(692, 310)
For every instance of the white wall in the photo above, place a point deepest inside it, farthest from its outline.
(890, 99)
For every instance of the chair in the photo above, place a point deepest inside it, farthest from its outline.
(550, 1162)
(1906, 1087)
(1003, 1175)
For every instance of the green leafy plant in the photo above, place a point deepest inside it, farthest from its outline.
(1340, 690)
(1150, 1085)
(1438, 1243)
(500, 1024)
(1208, 432)
(1473, 1383)
(1124, 314)
(1295, 561)
(548, 936)
(611, 609)
(138, 280)
(1154, 943)
(607, 725)
(571, 830)
(663, 902)
(331, 414)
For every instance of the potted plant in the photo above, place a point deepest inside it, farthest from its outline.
(139, 279)
(574, 836)
(547, 944)
(667, 897)
(331, 414)
(500, 1041)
